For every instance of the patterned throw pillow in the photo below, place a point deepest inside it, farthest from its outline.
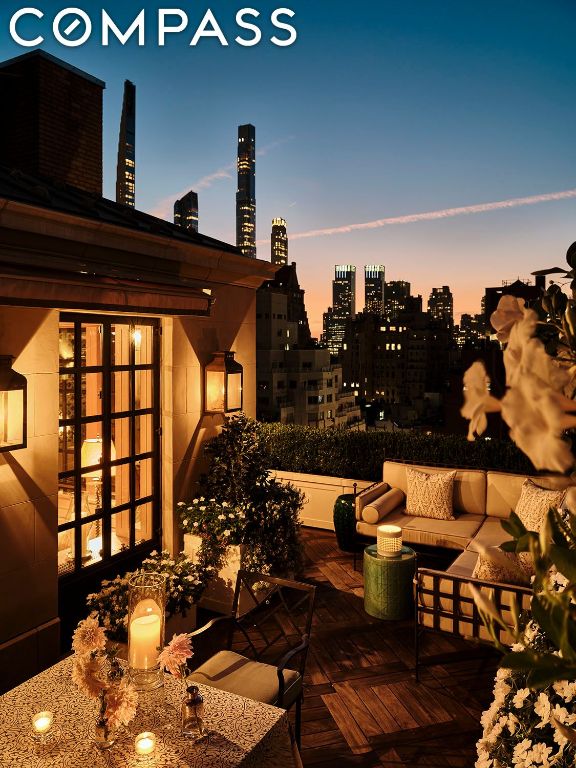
(430, 495)
(534, 503)
(504, 567)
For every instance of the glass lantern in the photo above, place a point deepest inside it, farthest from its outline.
(223, 384)
(146, 617)
(13, 388)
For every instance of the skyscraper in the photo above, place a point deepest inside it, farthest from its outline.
(441, 305)
(279, 240)
(397, 294)
(126, 168)
(343, 306)
(186, 211)
(246, 194)
(374, 288)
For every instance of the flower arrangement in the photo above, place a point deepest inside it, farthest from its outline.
(526, 727)
(208, 517)
(174, 656)
(185, 582)
(98, 674)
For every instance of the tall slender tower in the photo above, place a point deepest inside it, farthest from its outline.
(279, 240)
(186, 211)
(126, 168)
(246, 194)
(343, 306)
(374, 288)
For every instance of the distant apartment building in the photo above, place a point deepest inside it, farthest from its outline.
(397, 363)
(186, 212)
(126, 166)
(471, 332)
(246, 193)
(279, 242)
(441, 305)
(398, 299)
(343, 307)
(374, 283)
(296, 383)
(531, 293)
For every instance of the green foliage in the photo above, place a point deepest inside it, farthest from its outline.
(238, 482)
(359, 455)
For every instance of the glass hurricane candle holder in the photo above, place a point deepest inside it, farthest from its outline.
(146, 616)
(42, 724)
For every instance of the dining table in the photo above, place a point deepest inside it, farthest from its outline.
(240, 732)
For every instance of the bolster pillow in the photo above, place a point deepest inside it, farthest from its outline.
(379, 508)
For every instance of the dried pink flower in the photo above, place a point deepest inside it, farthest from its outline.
(175, 654)
(121, 703)
(89, 636)
(89, 675)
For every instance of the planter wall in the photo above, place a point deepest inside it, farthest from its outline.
(320, 491)
(219, 594)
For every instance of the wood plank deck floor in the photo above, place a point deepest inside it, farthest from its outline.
(362, 704)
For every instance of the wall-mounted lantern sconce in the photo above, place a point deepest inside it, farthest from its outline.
(13, 413)
(223, 379)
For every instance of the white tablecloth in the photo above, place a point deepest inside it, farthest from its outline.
(241, 732)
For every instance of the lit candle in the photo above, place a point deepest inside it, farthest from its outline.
(42, 722)
(145, 743)
(144, 635)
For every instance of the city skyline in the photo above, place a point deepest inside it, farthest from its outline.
(390, 114)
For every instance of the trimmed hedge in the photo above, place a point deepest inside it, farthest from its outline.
(359, 455)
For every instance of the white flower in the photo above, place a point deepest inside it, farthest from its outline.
(540, 754)
(542, 709)
(484, 760)
(180, 504)
(221, 517)
(231, 514)
(520, 754)
(226, 533)
(510, 310)
(225, 504)
(195, 525)
(520, 697)
(565, 689)
(477, 399)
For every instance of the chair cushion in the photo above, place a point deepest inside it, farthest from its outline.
(491, 534)
(469, 485)
(380, 508)
(452, 534)
(430, 494)
(229, 671)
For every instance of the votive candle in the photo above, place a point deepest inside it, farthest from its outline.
(42, 722)
(145, 743)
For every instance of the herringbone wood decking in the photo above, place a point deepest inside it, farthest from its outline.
(362, 704)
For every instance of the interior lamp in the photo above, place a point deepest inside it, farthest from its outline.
(13, 387)
(91, 456)
(223, 378)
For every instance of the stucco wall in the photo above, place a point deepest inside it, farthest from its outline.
(28, 502)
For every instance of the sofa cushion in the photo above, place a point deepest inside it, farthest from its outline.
(229, 671)
(430, 494)
(491, 534)
(504, 567)
(469, 485)
(503, 491)
(398, 516)
(464, 565)
(452, 534)
(380, 508)
(534, 503)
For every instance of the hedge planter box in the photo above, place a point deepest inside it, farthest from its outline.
(320, 491)
(219, 594)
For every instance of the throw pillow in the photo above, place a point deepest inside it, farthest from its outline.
(430, 495)
(380, 507)
(506, 567)
(534, 503)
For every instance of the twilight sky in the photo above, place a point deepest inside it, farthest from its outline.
(379, 111)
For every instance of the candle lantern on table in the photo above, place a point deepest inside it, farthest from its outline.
(389, 540)
(146, 612)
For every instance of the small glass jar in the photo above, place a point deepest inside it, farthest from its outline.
(193, 713)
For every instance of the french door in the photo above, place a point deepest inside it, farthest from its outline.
(109, 441)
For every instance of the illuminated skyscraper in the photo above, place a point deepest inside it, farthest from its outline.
(126, 168)
(246, 194)
(441, 305)
(279, 240)
(343, 306)
(374, 288)
(186, 211)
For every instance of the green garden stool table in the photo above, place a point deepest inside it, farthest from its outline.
(388, 583)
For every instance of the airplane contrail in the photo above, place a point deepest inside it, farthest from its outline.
(445, 213)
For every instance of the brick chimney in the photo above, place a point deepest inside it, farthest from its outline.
(52, 123)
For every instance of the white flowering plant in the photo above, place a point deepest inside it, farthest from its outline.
(185, 582)
(214, 519)
(98, 674)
